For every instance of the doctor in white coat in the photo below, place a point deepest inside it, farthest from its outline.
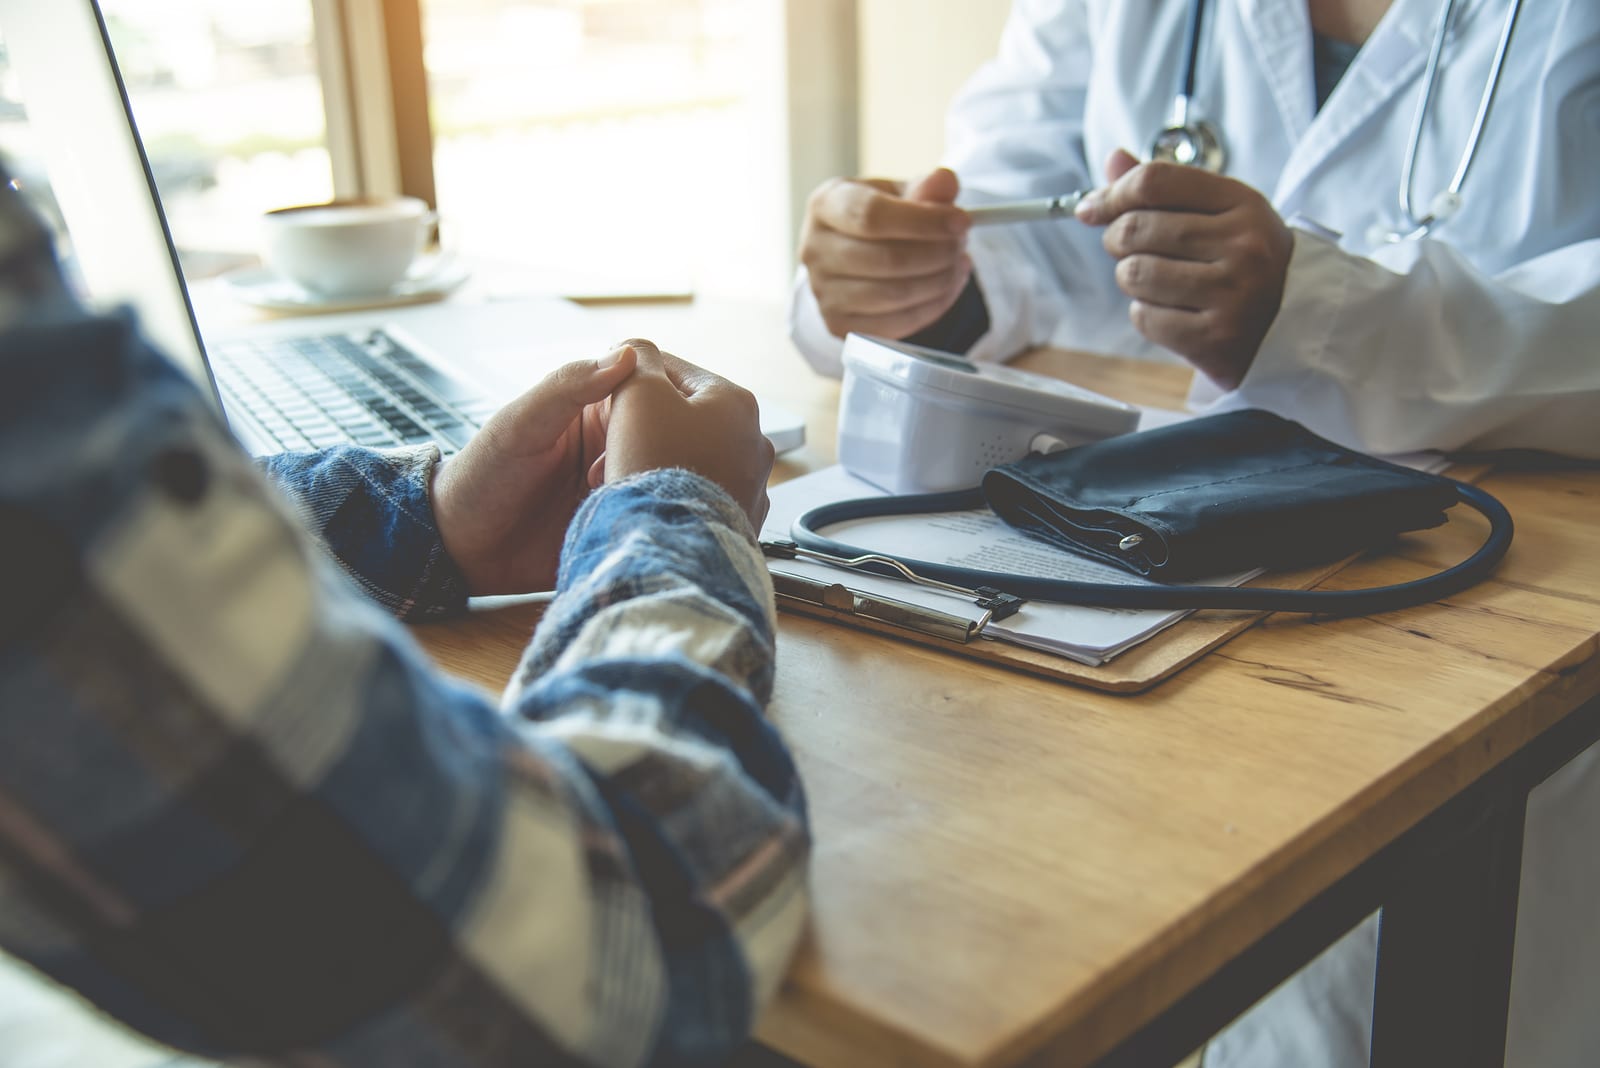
(1478, 334)
(1284, 281)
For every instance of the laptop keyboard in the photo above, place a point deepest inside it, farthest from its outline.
(366, 389)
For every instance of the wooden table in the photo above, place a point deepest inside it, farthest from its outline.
(1009, 870)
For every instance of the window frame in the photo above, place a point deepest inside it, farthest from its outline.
(375, 96)
(380, 135)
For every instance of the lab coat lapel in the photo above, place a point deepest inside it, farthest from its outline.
(1387, 64)
(1280, 33)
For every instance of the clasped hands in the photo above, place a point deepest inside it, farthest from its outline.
(1202, 257)
(503, 504)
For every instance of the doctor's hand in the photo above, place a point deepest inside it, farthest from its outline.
(883, 259)
(1202, 256)
(674, 414)
(503, 503)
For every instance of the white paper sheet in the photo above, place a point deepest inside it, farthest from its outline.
(970, 539)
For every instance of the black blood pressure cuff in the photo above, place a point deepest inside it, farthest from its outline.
(960, 327)
(1215, 495)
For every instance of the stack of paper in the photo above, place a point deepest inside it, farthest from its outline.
(975, 539)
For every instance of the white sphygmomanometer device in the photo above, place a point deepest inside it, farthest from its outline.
(916, 420)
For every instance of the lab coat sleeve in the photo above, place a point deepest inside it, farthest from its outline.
(1422, 350)
(1016, 131)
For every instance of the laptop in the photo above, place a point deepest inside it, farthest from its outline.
(431, 373)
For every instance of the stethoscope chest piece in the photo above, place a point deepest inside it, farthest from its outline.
(1194, 144)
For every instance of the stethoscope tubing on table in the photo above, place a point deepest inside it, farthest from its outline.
(1369, 601)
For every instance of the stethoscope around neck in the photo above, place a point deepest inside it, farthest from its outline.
(1191, 140)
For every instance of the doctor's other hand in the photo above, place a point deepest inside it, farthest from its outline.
(883, 259)
(1203, 257)
(503, 503)
(674, 414)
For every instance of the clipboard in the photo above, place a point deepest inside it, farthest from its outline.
(857, 606)
(1133, 671)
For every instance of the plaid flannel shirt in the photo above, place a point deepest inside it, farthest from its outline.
(241, 813)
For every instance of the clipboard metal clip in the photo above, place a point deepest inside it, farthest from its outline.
(996, 603)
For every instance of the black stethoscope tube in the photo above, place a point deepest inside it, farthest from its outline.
(1191, 58)
(1110, 595)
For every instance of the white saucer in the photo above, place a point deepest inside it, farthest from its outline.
(430, 279)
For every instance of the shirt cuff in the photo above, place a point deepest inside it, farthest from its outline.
(645, 548)
(373, 510)
(822, 349)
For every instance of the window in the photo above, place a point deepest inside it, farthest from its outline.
(573, 145)
(612, 144)
(230, 109)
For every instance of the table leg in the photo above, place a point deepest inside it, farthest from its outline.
(1445, 941)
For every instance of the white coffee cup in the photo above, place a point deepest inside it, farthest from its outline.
(346, 248)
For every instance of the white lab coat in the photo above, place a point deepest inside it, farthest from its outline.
(1486, 334)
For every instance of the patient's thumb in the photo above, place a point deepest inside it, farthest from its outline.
(560, 397)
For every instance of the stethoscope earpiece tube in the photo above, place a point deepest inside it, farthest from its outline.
(1434, 587)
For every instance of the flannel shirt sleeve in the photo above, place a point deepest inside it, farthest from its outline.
(373, 510)
(240, 812)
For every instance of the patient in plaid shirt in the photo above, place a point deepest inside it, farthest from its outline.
(240, 812)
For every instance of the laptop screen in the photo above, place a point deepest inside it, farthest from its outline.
(82, 132)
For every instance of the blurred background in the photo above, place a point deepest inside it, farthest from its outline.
(648, 145)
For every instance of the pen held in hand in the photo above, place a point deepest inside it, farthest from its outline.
(1019, 211)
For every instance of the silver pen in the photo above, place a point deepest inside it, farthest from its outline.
(1018, 211)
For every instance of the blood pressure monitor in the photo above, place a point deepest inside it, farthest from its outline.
(915, 420)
